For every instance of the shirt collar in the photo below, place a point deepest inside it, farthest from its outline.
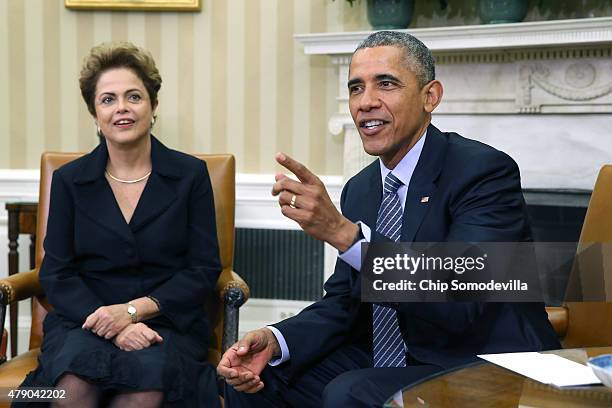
(406, 166)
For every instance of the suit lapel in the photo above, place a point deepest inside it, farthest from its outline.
(421, 191)
(94, 196)
(160, 191)
(422, 184)
(365, 209)
(158, 195)
(422, 188)
(415, 210)
(373, 195)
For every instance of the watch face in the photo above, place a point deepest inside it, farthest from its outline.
(131, 310)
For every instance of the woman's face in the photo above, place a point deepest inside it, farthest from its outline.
(123, 107)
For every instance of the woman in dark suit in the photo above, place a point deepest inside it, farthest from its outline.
(131, 254)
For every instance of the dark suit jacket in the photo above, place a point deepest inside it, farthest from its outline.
(475, 196)
(169, 249)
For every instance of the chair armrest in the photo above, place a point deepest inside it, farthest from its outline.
(23, 285)
(233, 291)
(558, 317)
(231, 284)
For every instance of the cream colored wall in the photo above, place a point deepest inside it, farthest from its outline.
(234, 79)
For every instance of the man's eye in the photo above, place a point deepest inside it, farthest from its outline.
(134, 98)
(354, 89)
(386, 84)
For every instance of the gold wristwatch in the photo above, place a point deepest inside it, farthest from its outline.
(132, 312)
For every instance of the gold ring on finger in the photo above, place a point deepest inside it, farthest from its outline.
(292, 203)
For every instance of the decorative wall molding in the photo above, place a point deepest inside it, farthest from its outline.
(510, 55)
(579, 75)
(499, 84)
(257, 313)
(17, 185)
(257, 208)
(339, 122)
(558, 33)
(572, 86)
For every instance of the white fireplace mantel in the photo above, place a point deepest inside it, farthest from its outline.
(578, 32)
(540, 91)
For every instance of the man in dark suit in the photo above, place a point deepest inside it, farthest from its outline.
(428, 186)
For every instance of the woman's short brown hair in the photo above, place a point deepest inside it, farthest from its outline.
(107, 56)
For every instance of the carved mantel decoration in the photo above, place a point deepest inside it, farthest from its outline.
(512, 86)
(580, 85)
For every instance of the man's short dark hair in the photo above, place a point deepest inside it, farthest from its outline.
(417, 56)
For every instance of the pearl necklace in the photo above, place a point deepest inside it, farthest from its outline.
(127, 181)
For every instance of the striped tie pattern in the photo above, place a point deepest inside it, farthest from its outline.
(388, 345)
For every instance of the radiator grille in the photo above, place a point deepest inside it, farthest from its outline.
(280, 264)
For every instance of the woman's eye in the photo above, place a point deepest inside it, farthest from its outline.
(107, 100)
(134, 98)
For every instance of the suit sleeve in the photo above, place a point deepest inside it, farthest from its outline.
(325, 322)
(487, 207)
(181, 297)
(59, 275)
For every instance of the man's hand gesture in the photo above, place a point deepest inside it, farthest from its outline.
(306, 202)
(242, 363)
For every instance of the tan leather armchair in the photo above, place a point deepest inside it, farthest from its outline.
(231, 290)
(589, 324)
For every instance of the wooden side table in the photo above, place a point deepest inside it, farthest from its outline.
(21, 220)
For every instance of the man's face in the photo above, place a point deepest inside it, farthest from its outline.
(390, 109)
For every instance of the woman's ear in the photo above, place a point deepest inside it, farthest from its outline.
(98, 130)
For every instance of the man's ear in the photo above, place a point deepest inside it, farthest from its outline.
(433, 95)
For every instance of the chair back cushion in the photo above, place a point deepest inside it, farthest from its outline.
(49, 162)
(221, 168)
(590, 323)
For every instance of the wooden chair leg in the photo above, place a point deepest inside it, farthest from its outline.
(3, 346)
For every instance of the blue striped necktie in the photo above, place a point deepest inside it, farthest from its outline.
(388, 345)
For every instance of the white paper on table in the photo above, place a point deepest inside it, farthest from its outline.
(545, 368)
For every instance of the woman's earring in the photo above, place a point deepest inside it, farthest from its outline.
(153, 121)
(99, 131)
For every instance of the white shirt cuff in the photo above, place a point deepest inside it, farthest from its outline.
(283, 346)
(352, 256)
